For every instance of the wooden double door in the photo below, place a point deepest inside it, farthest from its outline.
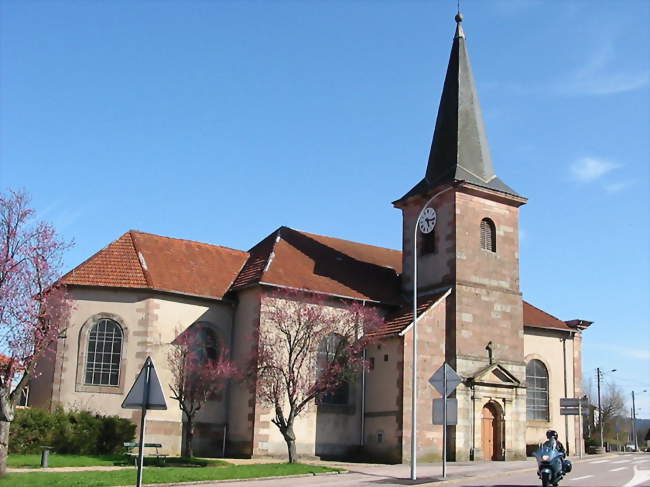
(492, 432)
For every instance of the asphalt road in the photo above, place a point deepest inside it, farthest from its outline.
(620, 471)
(627, 470)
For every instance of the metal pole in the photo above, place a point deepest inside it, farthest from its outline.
(580, 440)
(444, 423)
(142, 423)
(600, 411)
(636, 442)
(566, 394)
(414, 368)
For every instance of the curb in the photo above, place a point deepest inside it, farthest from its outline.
(217, 481)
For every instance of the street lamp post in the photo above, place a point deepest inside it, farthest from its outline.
(600, 409)
(414, 369)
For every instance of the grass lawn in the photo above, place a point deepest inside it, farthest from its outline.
(34, 461)
(153, 475)
(15, 460)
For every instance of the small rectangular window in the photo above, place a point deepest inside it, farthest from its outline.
(428, 243)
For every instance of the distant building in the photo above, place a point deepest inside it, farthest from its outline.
(516, 360)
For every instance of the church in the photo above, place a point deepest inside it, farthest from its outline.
(516, 361)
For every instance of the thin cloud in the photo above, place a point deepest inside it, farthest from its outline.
(588, 169)
(599, 76)
(619, 186)
(637, 353)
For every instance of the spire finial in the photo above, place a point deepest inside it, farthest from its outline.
(459, 28)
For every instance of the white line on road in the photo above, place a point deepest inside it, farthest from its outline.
(617, 469)
(600, 461)
(622, 461)
(583, 477)
(640, 476)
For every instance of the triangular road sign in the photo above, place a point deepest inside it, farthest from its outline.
(146, 391)
(437, 380)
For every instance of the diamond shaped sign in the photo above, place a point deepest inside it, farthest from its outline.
(437, 380)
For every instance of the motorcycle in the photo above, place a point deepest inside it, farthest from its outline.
(549, 466)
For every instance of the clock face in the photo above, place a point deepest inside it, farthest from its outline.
(428, 220)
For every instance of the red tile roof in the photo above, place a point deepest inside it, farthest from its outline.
(301, 260)
(400, 319)
(116, 265)
(147, 261)
(535, 317)
(286, 258)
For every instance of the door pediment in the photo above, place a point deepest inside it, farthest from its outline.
(495, 375)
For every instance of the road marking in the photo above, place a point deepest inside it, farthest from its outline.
(600, 461)
(583, 477)
(617, 469)
(622, 461)
(640, 476)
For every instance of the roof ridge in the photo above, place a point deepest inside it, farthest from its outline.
(188, 240)
(141, 260)
(542, 311)
(340, 239)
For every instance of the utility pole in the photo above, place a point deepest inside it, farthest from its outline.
(636, 443)
(600, 410)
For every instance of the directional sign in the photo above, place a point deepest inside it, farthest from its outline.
(574, 411)
(573, 402)
(437, 380)
(145, 392)
(452, 411)
(574, 406)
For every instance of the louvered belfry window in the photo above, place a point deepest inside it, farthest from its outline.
(104, 353)
(488, 235)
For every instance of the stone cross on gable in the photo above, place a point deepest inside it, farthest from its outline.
(489, 351)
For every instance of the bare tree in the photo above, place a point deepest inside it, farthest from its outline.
(200, 367)
(307, 349)
(612, 402)
(34, 305)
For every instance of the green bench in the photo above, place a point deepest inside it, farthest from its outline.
(160, 457)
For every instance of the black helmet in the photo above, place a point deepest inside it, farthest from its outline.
(551, 434)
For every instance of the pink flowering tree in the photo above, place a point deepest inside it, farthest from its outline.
(308, 348)
(200, 369)
(34, 306)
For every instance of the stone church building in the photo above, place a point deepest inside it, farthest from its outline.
(133, 297)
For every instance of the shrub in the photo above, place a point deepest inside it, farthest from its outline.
(77, 432)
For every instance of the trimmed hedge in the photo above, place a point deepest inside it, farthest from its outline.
(78, 432)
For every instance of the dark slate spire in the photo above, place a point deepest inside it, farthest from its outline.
(460, 149)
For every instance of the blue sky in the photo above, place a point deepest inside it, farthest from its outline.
(219, 121)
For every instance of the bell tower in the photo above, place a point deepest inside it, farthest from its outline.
(474, 251)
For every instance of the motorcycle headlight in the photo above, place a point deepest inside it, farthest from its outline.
(546, 458)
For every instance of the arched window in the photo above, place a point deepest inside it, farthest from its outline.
(104, 353)
(330, 350)
(209, 344)
(488, 235)
(537, 391)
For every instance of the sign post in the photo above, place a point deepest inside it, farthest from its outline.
(445, 380)
(145, 393)
(573, 406)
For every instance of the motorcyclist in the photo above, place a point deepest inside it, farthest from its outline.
(552, 441)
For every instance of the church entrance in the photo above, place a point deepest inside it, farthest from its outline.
(492, 431)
